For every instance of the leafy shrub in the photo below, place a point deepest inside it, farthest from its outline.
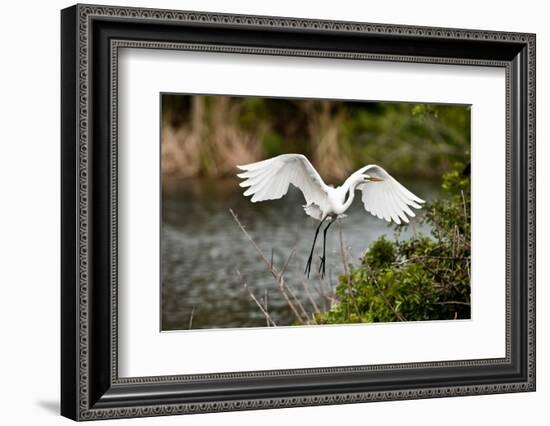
(421, 278)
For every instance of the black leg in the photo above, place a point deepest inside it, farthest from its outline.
(323, 259)
(308, 264)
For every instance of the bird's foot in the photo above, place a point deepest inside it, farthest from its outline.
(322, 266)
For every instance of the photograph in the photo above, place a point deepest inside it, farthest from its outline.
(309, 212)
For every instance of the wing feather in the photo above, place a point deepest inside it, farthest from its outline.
(258, 185)
(387, 199)
(381, 202)
(400, 207)
(394, 208)
(269, 179)
(376, 198)
(262, 187)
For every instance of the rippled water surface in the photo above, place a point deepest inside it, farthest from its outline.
(203, 250)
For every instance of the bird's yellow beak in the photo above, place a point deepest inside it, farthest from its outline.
(374, 179)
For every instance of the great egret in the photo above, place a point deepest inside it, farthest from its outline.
(382, 195)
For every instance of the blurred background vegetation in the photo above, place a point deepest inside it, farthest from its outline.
(378, 272)
(209, 135)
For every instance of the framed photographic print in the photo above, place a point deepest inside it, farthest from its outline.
(263, 212)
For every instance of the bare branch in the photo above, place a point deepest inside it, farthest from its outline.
(345, 261)
(286, 286)
(283, 270)
(413, 258)
(453, 302)
(265, 305)
(343, 252)
(268, 318)
(310, 297)
(191, 318)
(279, 279)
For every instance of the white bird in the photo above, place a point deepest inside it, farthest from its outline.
(382, 195)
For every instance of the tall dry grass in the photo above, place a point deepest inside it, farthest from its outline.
(209, 143)
(331, 155)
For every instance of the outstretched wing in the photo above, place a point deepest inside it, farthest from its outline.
(269, 179)
(387, 199)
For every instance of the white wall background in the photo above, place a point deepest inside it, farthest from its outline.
(29, 211)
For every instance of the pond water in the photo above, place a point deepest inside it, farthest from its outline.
(203, 250)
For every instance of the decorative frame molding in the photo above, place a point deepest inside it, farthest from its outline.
(91, 37)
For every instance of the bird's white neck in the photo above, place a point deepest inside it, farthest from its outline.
(349, 199)
(349, 187)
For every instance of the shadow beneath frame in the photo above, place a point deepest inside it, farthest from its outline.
(50, 406)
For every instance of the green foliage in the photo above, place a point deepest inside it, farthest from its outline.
(416, 139)
(421, 278)
(380, 254)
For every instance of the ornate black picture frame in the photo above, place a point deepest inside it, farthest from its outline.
(91, 36)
